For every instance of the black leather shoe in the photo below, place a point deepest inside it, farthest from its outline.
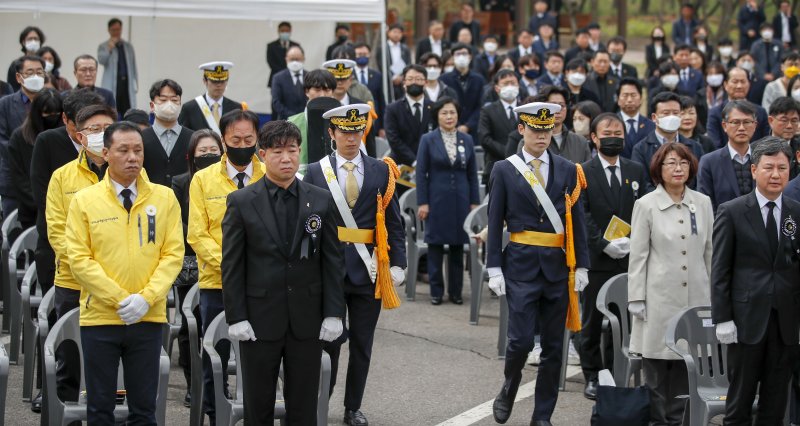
(355, 418)
(436, 301)
(36, 403)
(187, 399)
(501, 409)
(541, 423)
(590, 391)
(456, 300)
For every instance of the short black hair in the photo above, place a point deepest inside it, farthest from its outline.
(604, 117)
(618, 40)
(285, 24)
(119, 127)
(396, 26)
(664, 97)
(494, 36)
(113, 21)
(575, 64)
(137, 116)
(629, 81)
(56, 59)
(783, 105)
(427, 57)
(503, 73)
(319, 79)
(155, 89)
(277, 134)
(84, 56)
(601, 52)
(687, 102)
(296, 46)
(553, 90)
(553, 54)
(732, 69)
(342, 27)
(765, 24)
(93, 110)
(523, 30)
(439, 104)
(20, 62)
(77, 99)
(769, 145)
(362, 44)
(668, 66)
(415, 67)
(682, 46)
(582, 31)
(725, 41)
(26, 31)
(790, 56)
(344, 51)
(459, 46)
(687, 4)
(229, 118)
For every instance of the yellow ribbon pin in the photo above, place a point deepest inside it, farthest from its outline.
(329, 175)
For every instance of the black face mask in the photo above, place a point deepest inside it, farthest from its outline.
(51, 121)
(611, 146)
(240, 156)
(414, 90)
(615, 57)
(206, 160)
(342, 38)
(532, 74)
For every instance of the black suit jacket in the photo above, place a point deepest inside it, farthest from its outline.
(402, 130)
(628, 70)
(180, 186)
(161, 168)
(651, 59)
(192, 117)
(777, 26)
(605, 88)
(493, 129)
(600, 206)
(276, 58)
(275, 290)
(746, 281)
(287, 99)
(375, 86)
(424, 46)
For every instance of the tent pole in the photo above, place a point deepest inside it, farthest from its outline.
(385, 62)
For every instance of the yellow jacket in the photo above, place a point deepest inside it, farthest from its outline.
(65, 182)
(111, 256)
(208, 193)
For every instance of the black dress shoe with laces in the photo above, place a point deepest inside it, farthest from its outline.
(501, 409)
(435, 301)
(187, 399)
(355, 418)
(456, 300)
(590, 391)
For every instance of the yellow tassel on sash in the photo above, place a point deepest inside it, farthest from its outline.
(384, 289)
(371, 117)
(573, 310)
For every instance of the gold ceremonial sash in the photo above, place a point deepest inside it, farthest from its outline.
(541, 239)
(350, 235)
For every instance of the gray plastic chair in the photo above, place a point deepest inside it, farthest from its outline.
(42, 328)
(475, 221)
(195, 355)
(11, 229)
(415, 245)
(21, 249)
(173, 324)
(615, 293)
(62, 413)
(3, 382)
(30, 302)
(382, 148)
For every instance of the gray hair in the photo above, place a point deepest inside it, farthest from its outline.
(769, 145)
(741, 105)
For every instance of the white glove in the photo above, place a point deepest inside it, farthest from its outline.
(581, 279)
(726, 333)
(373, 267)
(132, 308)
(398, 275)
(241, 331)
(331, 329)
(619, 248)
(638, 309)
(498, 285)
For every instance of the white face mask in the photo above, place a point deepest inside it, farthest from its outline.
(796, 94)
(766, 34)
(747, 66)
(32, 45)
(48, 66)
(576, 79)
(461, 61)
(670, 123)
(166, 111)
(449, 68)
(715, 80)
(670, 81)
(726, 51)
(33, 83)
(433, 73)
(94, 143)
(294, 66)
(490, 46)
(581, 127)
(509, 93)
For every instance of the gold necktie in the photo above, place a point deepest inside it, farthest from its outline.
(536, 163)
(215, 112)
(350, 184)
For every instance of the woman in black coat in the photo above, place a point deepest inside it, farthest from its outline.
(447, 189)
(657, 49)
(205, 149)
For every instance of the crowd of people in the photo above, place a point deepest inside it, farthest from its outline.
(692, 159)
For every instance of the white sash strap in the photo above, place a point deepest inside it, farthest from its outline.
(539, 193)
(344, 210)
(212, 124)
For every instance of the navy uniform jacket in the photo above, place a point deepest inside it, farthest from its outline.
(511, 201)
(716, 177)
(469, 97)
(375, 86)
(376, 178)
(792, 190)
(720, 138)
(449, 188)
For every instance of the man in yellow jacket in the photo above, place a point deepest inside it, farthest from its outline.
(125, 249)
(88, 169)
(207, 195)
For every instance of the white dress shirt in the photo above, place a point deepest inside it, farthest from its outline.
(75, 144)
(544, 168)
(436, 46)
(524, 51)
(345, 99)
(210, 101)
(617, 172)
(506, 105)
(397, 58)
(776, 212)
(118, 189)
(232, 172)
(341, 172)
(786, 32)
(735, 155)
(411, 103)
(433, 94)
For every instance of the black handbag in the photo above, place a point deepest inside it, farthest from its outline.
(621, 406)
(188, 273)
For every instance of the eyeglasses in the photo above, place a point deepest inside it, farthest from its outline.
(673, 164)
(95, 128)
(31, 73)
(415, 80)
(87, 70)
(737, 123)
(792, 121)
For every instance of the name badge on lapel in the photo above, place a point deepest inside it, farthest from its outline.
(635, 188)
(461, 154)
(789, 228)
(309, 244)
(693, 218)
(151, 223)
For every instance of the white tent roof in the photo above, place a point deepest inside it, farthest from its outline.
(272, 10)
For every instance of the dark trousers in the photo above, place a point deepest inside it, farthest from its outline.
(8, 204)
(122, 97)
(769, 364)
(362, 316)
(261, 362)
(139, 347)
(794, 406)
(530, 303)
(591, 327)
(68, 360)
(665, 379)
(211, 306)
(184, 354)
(455, 279)
(45, 274)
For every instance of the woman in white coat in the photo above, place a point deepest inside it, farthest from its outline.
(669, 270)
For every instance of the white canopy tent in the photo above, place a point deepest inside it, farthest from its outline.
(168, 45)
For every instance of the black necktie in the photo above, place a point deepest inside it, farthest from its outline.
(126, 199)
(417, 112)
(297, 81)
(772, 229)
(615, 187)
(240, 177)
(767, 50)
(511, 116)
(632, 126)
(283, 216)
